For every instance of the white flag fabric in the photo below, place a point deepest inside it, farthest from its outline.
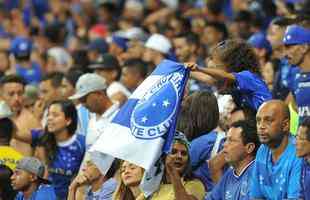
(144, 127)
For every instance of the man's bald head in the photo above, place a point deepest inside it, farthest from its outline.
(273, 122)
(280, 108)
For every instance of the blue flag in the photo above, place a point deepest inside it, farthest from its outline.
(144, 127)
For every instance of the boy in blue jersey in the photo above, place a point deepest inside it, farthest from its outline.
(303, 151)
(233, 66)
(276, 173)
(239, 149)
(297, 48)
(21, 48)
(28, 180)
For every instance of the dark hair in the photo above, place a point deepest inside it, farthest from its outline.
(12, 78)
(73, 75)
(306, 123)
(249, 114)
(48, 140)
(6, 129)
(22, 58)
(284, 21)
(55, 32)
(220, 27)
(304, 21)
(113, 169)
(248, 133)
(6, 190)
(238, 55)
(190, 38)
(243, 16)
(215, 6)
(138, 65)
(80, 60)
(199, 114)
(55, 78)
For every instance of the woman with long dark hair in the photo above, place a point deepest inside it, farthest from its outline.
(178, 182)
(58, 146)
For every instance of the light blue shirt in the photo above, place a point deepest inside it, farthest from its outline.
(45, 192)
(276, 181)
(105, 193)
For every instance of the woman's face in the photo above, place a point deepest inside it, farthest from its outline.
(131, 174)
(178, 157)
(4, 65)
(56, 120)
(66, 88)
(268, 73)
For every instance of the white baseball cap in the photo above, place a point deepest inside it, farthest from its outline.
(88, 83)
(159, 43)
(5, 110)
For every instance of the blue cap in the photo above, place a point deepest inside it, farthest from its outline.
(120, 42)
(296, 35)
(293, 1)
(98, 45)
(21, 47)
(259, 40)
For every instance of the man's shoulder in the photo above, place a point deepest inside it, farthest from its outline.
(46, 191)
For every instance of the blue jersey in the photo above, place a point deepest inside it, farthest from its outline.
(66, 163)
(284, 79)
(276, 181)
(200, 152)
(233, 187)
(250, 90)
(301, 91)
(305, 180)
(31, 75)
(45, 192)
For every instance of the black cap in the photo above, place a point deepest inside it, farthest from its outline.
(106, 61)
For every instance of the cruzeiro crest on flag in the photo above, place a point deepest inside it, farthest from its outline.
(153, 114)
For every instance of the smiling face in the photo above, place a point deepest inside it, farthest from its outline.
(178, 157)
(56, 120)
(131, 174)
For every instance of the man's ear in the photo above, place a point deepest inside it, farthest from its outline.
(304, 49)
(286, 125)
(33, 177)
(250, 147)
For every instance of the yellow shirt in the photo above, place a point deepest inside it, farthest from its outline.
(9, 156)
(166, 192)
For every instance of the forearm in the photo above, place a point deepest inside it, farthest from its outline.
(216, 165)
(72, 192)
(217, 74)
(179, 190)
(202, 77)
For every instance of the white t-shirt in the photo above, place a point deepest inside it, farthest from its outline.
(116, 87)
(97, 124)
